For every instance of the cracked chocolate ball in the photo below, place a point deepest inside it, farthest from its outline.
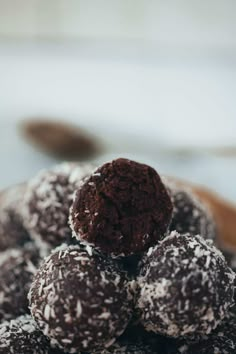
(121, 209)
(17, 268)
(22, 336)
(12, 232)
(186, 287)
(47, 201)
(189, 214)
(82, 302)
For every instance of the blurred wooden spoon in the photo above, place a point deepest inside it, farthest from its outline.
(60, 140)
(224, 213)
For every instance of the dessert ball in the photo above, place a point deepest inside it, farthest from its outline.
(189, 214)
(21, 336)
(47, 201)
(82, 302)
(185, 285)
(121, 209)
(17, 267)
(12, 232)
(221, 341)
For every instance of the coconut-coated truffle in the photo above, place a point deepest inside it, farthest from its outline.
(17, 267)
(221, 341)
(185, 285)
(22, 336)
(82, 302)
(47, 201)
(121, 209)
(12, 232)
(189, 214)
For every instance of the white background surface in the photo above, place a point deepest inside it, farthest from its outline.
(191, 23)
(145, 77)
(136, 103)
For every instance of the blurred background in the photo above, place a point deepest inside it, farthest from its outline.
(150, 80)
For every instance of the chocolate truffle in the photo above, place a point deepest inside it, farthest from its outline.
(17, 267)
(47, 201)
(121, 209)
(82, 302)
(185, 285)
(189, 214)
(221, 341)
(21, 336)
(12, 232)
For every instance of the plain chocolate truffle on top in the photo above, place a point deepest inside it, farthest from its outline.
(121, 209)
(186, 287)
(47, 201)
(81, 302)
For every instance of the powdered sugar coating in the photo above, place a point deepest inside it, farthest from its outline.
(185, 285)
(12, 232)
(189, 214)
(22, 336)
(81, 301)
(47, 201)
(17, 268)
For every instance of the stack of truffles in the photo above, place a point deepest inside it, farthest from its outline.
(111, 260)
